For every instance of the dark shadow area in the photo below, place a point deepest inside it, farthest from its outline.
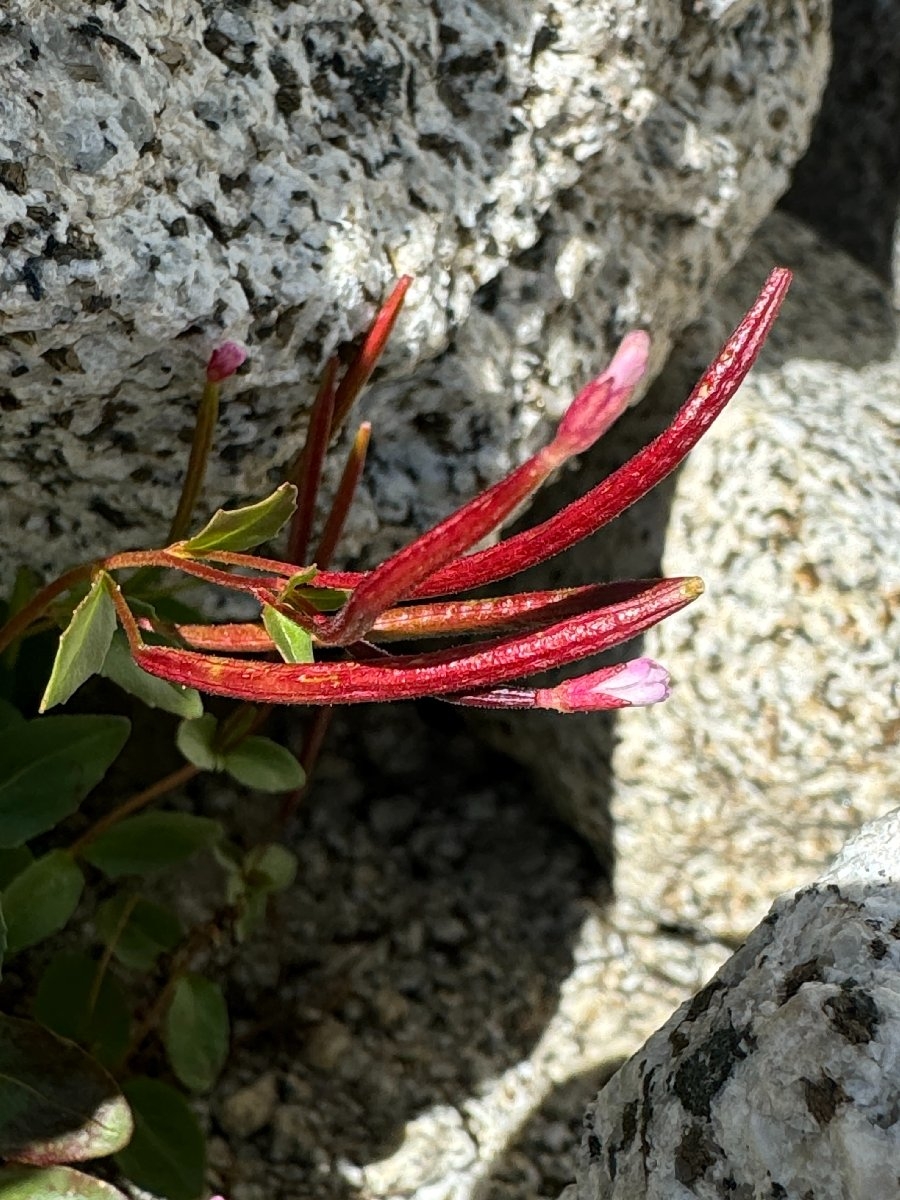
(848, 184)
(540, 1161)
(420, 953)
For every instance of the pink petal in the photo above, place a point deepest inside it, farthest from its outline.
(604, 400)
(224, 361)
(627, 685)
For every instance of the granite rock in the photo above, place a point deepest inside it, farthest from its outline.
(780, 736)
(782, 1076)
(174, 173)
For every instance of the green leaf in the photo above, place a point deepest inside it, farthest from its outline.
(196, 741)
(270, 868)
(167, 1155)
(12, 862)
(73, 1002)
(293, 643)
(151, 842)
(121, 668)
(244, 528)
(57, 1104)
(49, 766)
(260, 763)
(10, 717)
(138, 930)
(3, 937)
(196, 1032)
(83, 645)
(40, 899)
(54, 1183)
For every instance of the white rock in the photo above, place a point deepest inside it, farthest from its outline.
(781, 1078)
(780, 736)
(186, 172)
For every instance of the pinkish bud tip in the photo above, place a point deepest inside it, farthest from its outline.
(605, 398)
(627, 685)
(224, 361)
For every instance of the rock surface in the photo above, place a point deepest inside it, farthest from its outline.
(780, 736)
(173, 173)
(781, 1078)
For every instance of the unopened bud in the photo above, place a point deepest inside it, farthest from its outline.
(224, 361)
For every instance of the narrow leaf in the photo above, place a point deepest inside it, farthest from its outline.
(293, 643)
(139, 930)
(166, 1155)
(196, 741)
(54, 1183)
(41, 899)
(196, 1032)
(74, 1003)
(121, 668)
(260, 763)
(244, 528)
(49, 766)
(58, 1105)
(151, 842)
(83, 645)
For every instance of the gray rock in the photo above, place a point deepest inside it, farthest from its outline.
(780, 736)
(782, 1076)
(551, 173)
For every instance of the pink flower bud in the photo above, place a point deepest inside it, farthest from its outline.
(605, 398)
(627, 685)
(224, 361)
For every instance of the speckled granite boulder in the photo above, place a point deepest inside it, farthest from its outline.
(781, 1078)
(173, 172)
(780, 736)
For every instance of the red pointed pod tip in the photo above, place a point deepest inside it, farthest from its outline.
(224, 361)
(605, 398)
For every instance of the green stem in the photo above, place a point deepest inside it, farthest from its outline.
(207, 415)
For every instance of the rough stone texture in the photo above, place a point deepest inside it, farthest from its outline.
(781, 1078)
(780, 737)
(171, 173)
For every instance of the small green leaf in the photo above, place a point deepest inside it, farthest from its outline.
(54, 1183)
(270, 868)
(57, 1104)
(12, 862)
(260, 763)
(196, 740)
(167, 1155)
(138, 930)
(83, 645)
(151, 842)
(323, 599)
(244, 528)
(47, 768)
(40, 899)
(293, 643)
(196, 1032)
(75, 1003)
(10, 717)
(121, 668)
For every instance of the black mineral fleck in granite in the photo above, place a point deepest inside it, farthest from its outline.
(853, 1013)
(701, 1075)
